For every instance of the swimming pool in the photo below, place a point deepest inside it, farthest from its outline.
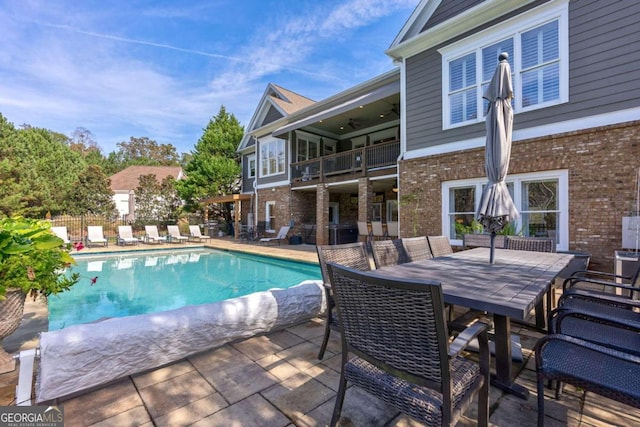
(138, 283)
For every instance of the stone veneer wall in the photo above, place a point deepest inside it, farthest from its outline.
(602, 164)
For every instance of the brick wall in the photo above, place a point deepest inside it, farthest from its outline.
(602, 164)
(280, 195)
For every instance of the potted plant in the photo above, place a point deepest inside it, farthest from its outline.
(32, 261)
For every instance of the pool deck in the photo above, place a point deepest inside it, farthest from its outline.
(277, 380)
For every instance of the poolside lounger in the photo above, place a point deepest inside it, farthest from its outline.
(174, 234)
(96, 236)
(152, 235)
(62, 233)
(125, 236)
(194, 230)
(282, 234)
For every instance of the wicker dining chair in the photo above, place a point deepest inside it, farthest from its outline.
(535, 244)
(397, 333)
(440, 245)
(352, 255)
(416, 248)
(388, 252)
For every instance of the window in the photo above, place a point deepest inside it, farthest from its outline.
(334, 213)
(251, 166)
(537, 44)
(541, 199)
(270, 216)
(308, 148)
(376, 212)
(392, 210)
(272, 157)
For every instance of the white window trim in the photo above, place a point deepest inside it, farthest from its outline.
(561, 175)
(391, 205)
(252, 157)
(267, 141)
(513, 27)
(268, 207)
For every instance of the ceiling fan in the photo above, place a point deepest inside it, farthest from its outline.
(395, 110)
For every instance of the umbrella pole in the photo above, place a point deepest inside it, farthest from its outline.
(493, 247)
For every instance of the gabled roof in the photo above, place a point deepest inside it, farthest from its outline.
(276, 102)
(416, 36)
(128, 179)
(291, 102)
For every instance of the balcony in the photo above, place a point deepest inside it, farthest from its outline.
(360, 161)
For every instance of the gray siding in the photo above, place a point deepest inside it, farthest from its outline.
(272, 116)
(247, 183)
(604, 65)
(449, 9)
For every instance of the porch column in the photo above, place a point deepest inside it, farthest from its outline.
(236, 216)
(365, 198)
(322, 215)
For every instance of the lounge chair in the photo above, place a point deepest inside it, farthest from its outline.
(282, 234)
(152, 235)
(174, 234)
(195, 233)
(96, 236)
(62, 233)
(125, 236)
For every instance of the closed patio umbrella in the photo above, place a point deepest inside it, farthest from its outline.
(132, 206)
(496, 207)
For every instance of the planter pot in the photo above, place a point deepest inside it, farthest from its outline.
(11, 309)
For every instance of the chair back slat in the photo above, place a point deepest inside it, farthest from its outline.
(440, 245)
(352, 255)
(416, 248)
(388, 252)
(535, 244)
(376, 229)
(392, 229)
(393, 323)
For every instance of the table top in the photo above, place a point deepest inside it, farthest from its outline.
(512, 286)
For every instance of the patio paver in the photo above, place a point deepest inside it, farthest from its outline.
(277, 380)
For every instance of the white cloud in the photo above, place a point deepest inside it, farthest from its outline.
(64, 66)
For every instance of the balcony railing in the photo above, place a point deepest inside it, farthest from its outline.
(360, 160)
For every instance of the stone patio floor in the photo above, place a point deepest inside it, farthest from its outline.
(277, 380)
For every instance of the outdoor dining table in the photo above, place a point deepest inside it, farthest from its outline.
(508, 289)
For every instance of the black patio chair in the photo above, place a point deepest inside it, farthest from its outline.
(608, 370)
(397, 333)
(388, 252)
(416, 248)
(440, 245)
(352, 255)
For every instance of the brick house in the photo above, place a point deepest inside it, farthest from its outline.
(576, 139)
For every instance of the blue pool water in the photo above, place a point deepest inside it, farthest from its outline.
(135, 283)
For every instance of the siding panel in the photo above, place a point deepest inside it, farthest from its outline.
(604, 63)
(449, 9)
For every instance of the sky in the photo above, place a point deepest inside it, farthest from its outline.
(162, 69)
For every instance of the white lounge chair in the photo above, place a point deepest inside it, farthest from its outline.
(62, 233)
(282, 234)
(152, 235)
(174, 234)
(95, 236)
(125, 236)
(194, 230)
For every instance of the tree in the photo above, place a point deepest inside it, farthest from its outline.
(156, 200)
(83, 142)
(141, 151)
(36, 169)
(213, 169)
(91, 193)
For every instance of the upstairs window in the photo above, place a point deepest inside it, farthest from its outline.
(251, 166)
(272, 157)
(537, 44)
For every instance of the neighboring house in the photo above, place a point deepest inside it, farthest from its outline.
(576, 140)
(125, 182)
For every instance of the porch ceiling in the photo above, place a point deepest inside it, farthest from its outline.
(373, 108)
(379, 185)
